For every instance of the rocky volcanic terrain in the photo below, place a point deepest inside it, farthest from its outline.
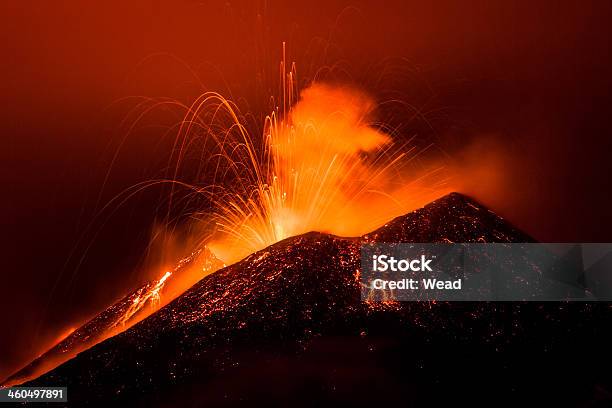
(286, 327)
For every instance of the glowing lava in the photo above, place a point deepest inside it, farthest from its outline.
(322, 164)
(152, 295)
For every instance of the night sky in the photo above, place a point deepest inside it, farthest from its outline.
(516, 95)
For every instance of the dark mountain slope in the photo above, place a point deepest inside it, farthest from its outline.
(286, 327)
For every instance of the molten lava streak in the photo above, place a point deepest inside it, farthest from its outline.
(152, 295)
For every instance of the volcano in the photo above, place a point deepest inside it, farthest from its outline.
(286, 326)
